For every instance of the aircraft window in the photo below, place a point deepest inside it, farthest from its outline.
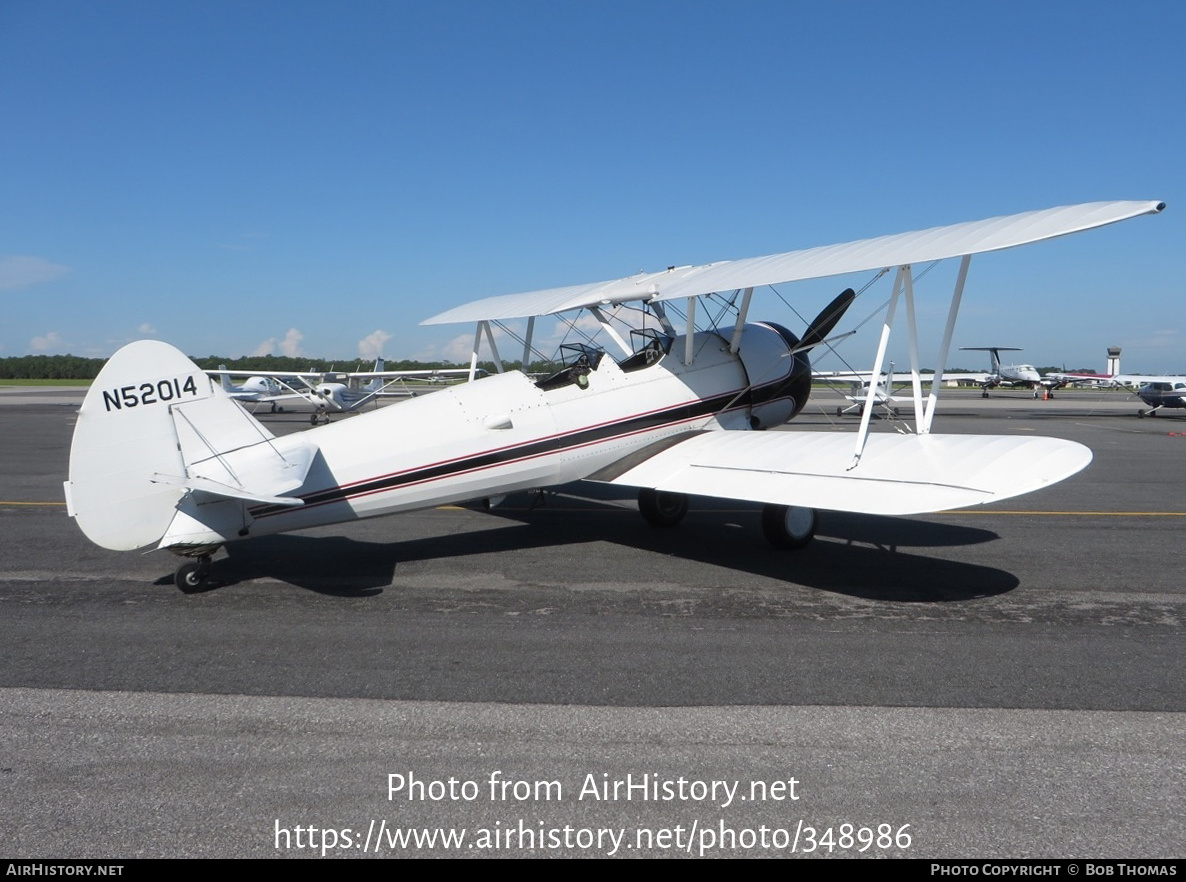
(649, 348)
(579, 361)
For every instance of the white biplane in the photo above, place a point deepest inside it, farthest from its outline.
(163, 458)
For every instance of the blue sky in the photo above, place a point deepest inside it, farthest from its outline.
(316, 178)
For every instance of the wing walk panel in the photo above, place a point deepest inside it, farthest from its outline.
(897, 475)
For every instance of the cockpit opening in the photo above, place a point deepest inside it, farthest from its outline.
(579, 360)
(649, 348)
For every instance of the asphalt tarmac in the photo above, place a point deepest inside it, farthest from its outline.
(1005, 682)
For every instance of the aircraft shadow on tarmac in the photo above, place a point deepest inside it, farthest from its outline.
(854, 555)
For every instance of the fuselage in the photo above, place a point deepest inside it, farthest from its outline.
(1164, 393)
(507, 432)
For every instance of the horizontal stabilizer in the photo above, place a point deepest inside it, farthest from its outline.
(897, 474)
(214, 488)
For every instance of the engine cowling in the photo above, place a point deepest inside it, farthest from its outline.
(779, 377)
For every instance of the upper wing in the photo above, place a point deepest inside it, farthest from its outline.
(897, 475)
(956, 240)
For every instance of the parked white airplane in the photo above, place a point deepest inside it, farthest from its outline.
(256, 388)
(336, 391)
(859, 396)
(1014, 375)
(1162, 392)
(163, 458)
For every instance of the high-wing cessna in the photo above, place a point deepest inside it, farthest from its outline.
(883, 393)
(163, 458)
(256, 389)
(1014, 375)
(332, 391)
(1162, 392)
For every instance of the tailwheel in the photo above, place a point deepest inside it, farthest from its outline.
(662, 509)
(191, 576)
(788, 526)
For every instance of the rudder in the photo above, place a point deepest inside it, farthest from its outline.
(150, 414)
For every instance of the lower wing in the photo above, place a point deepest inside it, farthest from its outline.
(897, 474)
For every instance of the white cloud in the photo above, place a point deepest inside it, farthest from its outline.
(371, 346)
(52, 340)
(459, 349)
(291, 344)
(146, 328)
(22, 271)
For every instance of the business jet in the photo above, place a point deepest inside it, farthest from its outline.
(163, 458)
(1014, 375)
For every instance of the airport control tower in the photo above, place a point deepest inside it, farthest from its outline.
(1113, 360)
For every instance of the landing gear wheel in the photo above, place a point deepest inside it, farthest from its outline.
(191, 576)
(788, 526)
(984, 394)
(662, 509)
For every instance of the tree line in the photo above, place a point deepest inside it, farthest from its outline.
(75, 367)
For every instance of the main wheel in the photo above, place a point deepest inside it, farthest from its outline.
(662, 509)
(788, 526)
(191, 576)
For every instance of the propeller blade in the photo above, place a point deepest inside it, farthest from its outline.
(823, 323)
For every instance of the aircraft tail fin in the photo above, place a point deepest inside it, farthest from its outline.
(227, 384)
(156, 436)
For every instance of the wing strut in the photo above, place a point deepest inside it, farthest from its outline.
(527, 342)
(945, 347)
(924, 411)
(875, 376)
(739, 327)
(473, 357)
(603, 320)
(498, 365)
